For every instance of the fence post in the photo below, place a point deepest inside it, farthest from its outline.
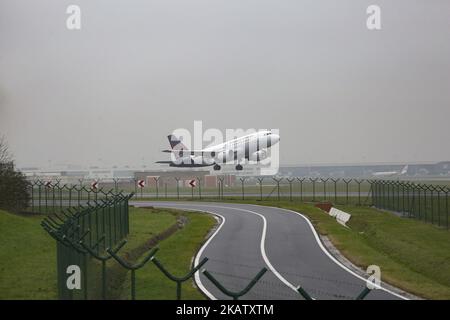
(335, 181)
(371, 192)
(447, 190)
(432, 203)
(40, 184)
(300, 180)
(157, 186)
(31, 184)
(199, 187)
(303, 293)
(290, 180)
(56, 185)
(425, 211)
(399, 184)
(135, 187)
(324, 181)
(46, 198)
(116, 184)
(374, 187)
(260, 180)
(346, 188)
(165, 189)
(314, 188)
(220, 186)
(363, 293)
(359, 190)
(242, 183)
(178, 187)
(395, 195)
(403, 198)
(438, 190)
(278, 186)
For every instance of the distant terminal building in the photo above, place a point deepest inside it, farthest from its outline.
(210, 178)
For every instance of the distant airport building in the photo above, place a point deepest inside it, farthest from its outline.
(209, 177)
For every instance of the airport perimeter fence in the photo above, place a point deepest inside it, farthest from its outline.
(48, 195)
(425, 202)
(53, 196)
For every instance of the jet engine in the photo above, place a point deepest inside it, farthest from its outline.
(258, 155)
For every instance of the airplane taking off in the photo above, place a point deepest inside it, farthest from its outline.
(391, 173)
(252, 147)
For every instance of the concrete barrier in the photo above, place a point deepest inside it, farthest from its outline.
(341, 216)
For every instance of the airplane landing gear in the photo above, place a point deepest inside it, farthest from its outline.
(239, 167)
(216, 167)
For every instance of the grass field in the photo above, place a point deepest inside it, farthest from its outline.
(28, 253)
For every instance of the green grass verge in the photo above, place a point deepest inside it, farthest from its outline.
(27, 259)
(175, 253)
(28, 253)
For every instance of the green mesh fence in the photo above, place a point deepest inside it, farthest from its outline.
(81, 232)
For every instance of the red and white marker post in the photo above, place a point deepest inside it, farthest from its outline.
(192, 183)
(94, 185)
(141, 185)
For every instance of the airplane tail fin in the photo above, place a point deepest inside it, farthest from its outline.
(175, 143)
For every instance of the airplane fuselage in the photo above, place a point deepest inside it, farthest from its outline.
(252, 147)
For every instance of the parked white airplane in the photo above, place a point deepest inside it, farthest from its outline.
(252, 147)
(391, 173)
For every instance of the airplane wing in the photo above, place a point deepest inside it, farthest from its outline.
(186, 151)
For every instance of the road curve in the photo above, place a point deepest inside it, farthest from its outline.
(251, 237)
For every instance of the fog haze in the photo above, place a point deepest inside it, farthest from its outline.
(109, 94)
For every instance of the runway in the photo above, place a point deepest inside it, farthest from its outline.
(251, 237)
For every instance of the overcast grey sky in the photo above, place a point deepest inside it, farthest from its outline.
(137, 70)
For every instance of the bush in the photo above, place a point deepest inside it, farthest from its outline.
(14, 193)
